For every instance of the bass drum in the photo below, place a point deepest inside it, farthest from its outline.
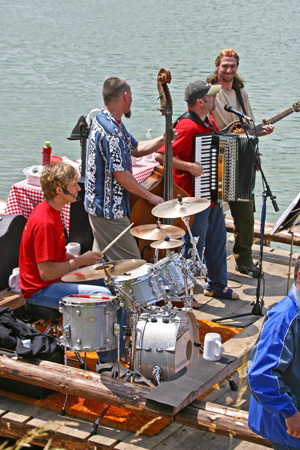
(167, 340)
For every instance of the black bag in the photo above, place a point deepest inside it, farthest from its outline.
(11, 229)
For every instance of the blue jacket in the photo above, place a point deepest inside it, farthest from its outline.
(274, 371)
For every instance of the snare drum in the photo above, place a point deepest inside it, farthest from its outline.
(166, 340)
(170, 272)
(140, 285)
(89, 324)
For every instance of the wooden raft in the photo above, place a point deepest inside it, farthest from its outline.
(16, 417)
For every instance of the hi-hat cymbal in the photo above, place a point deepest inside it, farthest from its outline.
(187, 207)
(101, 270)
(153, 232)
(172, 243)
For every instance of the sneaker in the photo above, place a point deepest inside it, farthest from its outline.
(251, 269)
(110, 369)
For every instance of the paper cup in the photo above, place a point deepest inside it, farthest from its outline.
(73, 248)
(213, 348)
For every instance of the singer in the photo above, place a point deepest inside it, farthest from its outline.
(43, 259)
(233, 94)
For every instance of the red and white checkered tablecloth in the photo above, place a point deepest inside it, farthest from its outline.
(143, 169)
(24, 197)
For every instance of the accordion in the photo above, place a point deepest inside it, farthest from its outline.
(229, 165)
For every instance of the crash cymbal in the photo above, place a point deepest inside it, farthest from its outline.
(174, 208)
(154, 232)
(100, 270)
(172, 243)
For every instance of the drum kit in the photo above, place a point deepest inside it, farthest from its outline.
(160, 340)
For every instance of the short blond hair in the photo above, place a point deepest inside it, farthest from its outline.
(55, 175)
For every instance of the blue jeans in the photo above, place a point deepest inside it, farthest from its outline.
(283, 447)
(51, 295)
(209, 225)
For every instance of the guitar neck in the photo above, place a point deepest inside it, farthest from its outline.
(274, 119)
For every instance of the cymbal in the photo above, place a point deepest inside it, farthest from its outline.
(153, 232)
(173, 208)
(101, 270)
(172, 243)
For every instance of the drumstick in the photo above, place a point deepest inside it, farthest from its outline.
(118, 237)
(101, 297)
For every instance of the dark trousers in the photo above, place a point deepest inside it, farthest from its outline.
(243, 216)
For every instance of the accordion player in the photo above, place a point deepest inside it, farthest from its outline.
(229, 165)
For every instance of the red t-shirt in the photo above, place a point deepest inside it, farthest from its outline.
(42, 240)
(183, 148)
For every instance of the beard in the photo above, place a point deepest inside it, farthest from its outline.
(128, 114)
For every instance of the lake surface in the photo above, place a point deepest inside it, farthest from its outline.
(55, 56)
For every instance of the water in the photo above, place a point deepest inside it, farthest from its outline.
(56, 54)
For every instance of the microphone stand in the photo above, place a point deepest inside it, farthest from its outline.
(258, 305)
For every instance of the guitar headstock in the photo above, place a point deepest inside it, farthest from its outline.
(296, 106)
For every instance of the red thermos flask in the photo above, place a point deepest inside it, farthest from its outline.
(46, 153)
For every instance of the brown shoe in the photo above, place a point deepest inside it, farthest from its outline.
(222, 293)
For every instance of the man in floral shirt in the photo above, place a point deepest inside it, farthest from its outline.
(109, 178)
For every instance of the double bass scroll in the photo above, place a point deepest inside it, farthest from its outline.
(163, 79)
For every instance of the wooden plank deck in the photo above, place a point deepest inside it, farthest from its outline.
(176, 436)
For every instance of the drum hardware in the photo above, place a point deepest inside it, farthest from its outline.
(133, 373)
(195, 254)
(180, 207)
(157, 372)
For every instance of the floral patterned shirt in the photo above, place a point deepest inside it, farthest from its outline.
(109, 150)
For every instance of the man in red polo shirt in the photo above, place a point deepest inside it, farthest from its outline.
(208, 225)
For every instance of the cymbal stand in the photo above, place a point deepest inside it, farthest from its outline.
(194, 252)
(133, 372)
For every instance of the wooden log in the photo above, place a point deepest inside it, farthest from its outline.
(283, 236)
(72, 381)
(219, 420)
(86, 384)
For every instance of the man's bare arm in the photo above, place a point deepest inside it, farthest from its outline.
(127, 180)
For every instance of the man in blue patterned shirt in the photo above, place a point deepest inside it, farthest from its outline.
(109, 178)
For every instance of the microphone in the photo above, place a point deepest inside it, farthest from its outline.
(237, 113)
(66, 192)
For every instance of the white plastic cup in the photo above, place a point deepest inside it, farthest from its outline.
(213, 348)
(73, 248)
(13, 280)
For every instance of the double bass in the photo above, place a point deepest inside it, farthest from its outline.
(160, 181)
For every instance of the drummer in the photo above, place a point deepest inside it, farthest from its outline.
(43, 260)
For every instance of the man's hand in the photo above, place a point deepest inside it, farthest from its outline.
(293, 425)
(267, 129)
(50, 270)
(155, 199)
(196, 169)
(89, 258)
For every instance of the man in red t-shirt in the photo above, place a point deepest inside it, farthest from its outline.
(43, 259)
(208, 225)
